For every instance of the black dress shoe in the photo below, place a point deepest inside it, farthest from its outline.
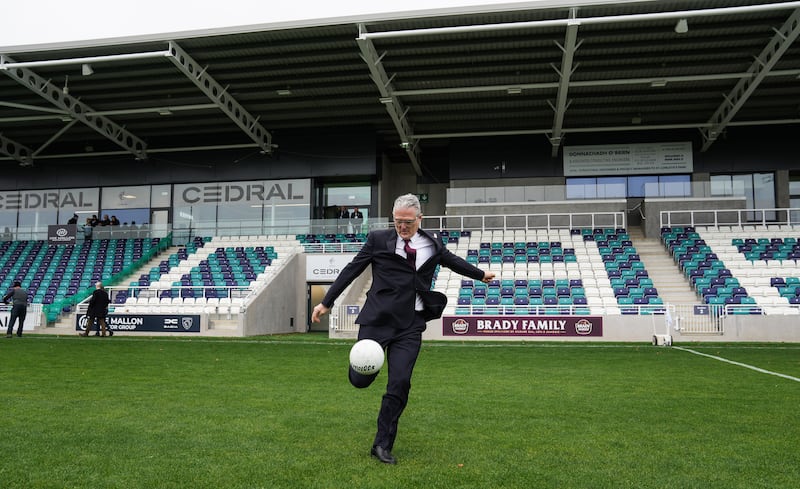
(383, 455)
(110, 333)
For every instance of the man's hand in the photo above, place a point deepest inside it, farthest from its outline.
(318, 311)
(487, 277)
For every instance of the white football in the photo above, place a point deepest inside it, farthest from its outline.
(366, 357)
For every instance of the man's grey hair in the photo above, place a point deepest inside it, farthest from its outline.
(98, 284)
(407, 201)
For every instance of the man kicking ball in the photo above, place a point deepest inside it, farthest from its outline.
(398, 305)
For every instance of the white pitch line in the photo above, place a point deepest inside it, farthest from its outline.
(761, 370)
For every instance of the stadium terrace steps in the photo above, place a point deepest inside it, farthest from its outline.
(667, 278)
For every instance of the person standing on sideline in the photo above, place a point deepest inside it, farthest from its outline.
(398, 304)
(19, 307)
(98, 309)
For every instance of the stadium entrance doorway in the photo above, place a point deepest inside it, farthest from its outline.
(315, 294)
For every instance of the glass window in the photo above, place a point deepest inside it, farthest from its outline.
(8, 223)
(200, 219)
(637, 186)
(721, 186)
(611, 188)
(240, 218)
(634, 186)
(581, 188)
(160, 196)
(758, 189)
(675, 186)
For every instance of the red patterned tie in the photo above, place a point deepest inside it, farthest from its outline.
(411, 254)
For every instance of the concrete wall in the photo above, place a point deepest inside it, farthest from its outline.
(282, 306)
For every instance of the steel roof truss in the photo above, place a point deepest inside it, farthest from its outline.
(74, 108)
(15, 150)
(218, 94)
(390, 101)
(745, 87)
(568, 54)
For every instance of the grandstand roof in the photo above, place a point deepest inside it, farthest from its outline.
(549, 69)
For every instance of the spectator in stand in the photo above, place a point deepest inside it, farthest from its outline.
(88, 228)
(114, 221)
(356, 218)
(105, 221)
(73, 219)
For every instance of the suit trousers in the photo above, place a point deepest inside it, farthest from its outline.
(402, 348)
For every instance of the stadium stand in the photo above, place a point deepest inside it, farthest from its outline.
(578, 271)
(61, 276)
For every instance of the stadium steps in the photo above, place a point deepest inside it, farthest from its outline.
(672, 286)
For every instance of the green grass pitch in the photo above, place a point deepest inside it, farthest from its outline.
(278, 412)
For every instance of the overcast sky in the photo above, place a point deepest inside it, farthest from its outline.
(29, 22)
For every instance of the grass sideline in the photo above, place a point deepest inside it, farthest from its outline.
(271, 412)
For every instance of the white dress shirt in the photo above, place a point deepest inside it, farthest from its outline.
(424, 247)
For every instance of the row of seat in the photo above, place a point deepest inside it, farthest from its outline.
(714, 265)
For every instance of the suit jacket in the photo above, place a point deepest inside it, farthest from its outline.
(98, 304)
(391, 298)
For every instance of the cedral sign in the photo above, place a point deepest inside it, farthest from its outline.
(325, 268)
(248, 192)
(80, 198)
(150, 323)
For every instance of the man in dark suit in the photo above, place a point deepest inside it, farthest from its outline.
(398, 304)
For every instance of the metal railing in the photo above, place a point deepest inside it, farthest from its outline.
(509, 222)
(731, 217)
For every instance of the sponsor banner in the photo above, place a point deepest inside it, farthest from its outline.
(278, 192)
(628, 159)
(151, 323)
(62, 234)
(325, 268)
(486, 326)
(78, 199)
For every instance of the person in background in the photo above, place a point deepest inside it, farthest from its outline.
(19, 307)
(97, 311)
(88, 229)
(73, 219)
(399, 303)
(114, 221)
(106, 221)
(344, 219)
(356, 218)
